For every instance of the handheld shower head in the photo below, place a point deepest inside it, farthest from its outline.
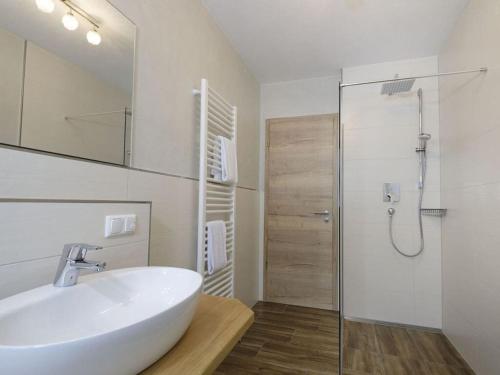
(424, 137)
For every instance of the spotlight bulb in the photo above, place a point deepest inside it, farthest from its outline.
(46, 6)
(70, 22)
(93, 37)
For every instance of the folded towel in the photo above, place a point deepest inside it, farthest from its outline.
(229, 163)
(216, 246)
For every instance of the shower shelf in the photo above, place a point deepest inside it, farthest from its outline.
(439, 212)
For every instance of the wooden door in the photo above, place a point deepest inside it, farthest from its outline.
(300, 245)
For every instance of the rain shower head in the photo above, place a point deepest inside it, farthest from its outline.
(396, 87)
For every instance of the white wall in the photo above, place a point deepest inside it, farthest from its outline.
(470, 141)
(11, 84)
(380, 136)
(300, 98)
(178, 44)
(29, 261)
(290, 99)
(55, 88)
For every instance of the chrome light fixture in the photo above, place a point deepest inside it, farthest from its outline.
(69, 21)
(46, 6)
(93, 37)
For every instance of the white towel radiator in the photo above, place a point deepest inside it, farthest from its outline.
(216, 200)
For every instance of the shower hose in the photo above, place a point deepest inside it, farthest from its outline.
(392, 211)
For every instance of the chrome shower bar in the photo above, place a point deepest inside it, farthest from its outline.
(480, 70)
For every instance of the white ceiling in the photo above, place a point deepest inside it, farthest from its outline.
(283, 40)
(112, 60)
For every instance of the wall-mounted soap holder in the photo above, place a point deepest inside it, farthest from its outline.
(438, 212)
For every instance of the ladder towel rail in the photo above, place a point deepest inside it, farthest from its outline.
(216, 200)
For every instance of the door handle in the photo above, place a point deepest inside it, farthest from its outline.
(325, 214)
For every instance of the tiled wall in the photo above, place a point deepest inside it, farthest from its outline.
(34, 233)
(380, 136)
(174, 206)
(178, 45)
(470, 144)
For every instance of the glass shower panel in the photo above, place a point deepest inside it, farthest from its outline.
(389, 162)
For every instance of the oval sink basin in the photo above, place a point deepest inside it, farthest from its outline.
(116, 322)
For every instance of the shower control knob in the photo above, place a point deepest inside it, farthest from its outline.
(391, 211)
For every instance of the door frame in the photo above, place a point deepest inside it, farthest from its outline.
(335, 203)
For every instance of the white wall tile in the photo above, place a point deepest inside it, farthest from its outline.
(470, 139)
(22, 276)
(383, 143)
(247, 240)
(428, 309)
(178, 45)
(173, 217)
(374, 305)
(368, 207)
(174, 227)
(371, 174)
(35, 233)
(29, 175)
(51, 225)
(380, 136)
(172, 57)
(371, 274)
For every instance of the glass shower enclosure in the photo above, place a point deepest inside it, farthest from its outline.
(391, 212)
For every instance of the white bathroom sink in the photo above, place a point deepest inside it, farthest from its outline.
(116, 322)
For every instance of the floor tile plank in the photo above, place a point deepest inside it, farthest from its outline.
(296, 340)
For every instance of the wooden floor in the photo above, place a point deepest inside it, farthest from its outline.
(379, 349)
(286, 339)
(292, 340)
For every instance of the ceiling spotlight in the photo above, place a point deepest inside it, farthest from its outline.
(69, 21)
(46, 6)
(93, 37)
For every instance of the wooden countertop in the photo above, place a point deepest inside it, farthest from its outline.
(217, 326)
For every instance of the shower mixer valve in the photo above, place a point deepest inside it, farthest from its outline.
(391, 192)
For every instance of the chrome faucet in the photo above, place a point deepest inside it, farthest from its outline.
(72, 261)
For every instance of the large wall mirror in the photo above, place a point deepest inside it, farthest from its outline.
(66, 78)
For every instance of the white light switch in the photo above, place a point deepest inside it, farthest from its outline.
(117, 225)
(130, 223)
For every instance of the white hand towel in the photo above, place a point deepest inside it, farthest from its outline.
(216, 246)
(228, 161)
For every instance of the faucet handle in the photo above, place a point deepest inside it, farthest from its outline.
(78, 251)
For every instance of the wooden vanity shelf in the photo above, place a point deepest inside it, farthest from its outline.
(217, 326)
